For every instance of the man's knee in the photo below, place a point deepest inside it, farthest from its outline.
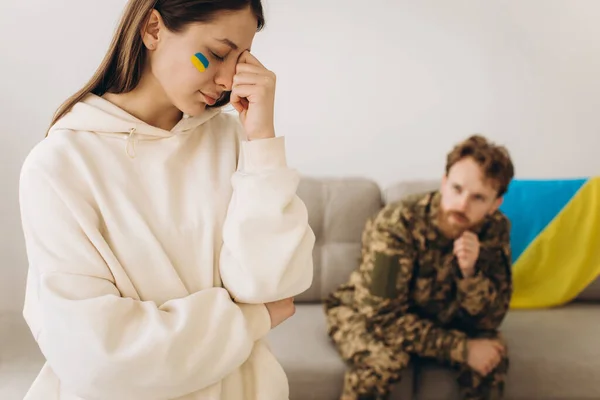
(359, 348)
(372, 366)
(372, 378)
(381, 358)
(347, 334)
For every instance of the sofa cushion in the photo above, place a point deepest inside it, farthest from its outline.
(313, 366)
(338, 210)
(553, 354)
(592, 292)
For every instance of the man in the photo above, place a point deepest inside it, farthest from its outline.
(434, 282)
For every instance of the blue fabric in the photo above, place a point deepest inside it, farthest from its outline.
(531, 205)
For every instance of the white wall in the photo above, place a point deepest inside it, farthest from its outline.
(381, 91)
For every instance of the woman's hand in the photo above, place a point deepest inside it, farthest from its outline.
(253, 96)
(280, 311)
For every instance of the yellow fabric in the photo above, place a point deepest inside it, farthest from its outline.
(565, 257)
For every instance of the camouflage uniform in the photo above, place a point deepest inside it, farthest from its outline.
(408, 299)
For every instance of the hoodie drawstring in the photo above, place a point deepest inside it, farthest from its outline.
(130, 149)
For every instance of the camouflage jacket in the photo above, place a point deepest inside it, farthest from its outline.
(410, 289)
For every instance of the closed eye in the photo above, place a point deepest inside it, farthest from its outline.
(218, 57)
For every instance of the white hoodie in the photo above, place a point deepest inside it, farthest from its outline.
(139, 238)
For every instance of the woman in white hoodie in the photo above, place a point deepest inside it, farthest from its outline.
(165, 238)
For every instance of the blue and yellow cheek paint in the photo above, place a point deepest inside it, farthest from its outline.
(200, 62)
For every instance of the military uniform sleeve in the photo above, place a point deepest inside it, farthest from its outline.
(388, 264)
(485, 297)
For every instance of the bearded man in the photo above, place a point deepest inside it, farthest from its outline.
(434, 282)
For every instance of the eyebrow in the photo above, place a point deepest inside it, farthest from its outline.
(229, 43)
(475, 194)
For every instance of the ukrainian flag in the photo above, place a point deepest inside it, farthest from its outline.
(555, 239)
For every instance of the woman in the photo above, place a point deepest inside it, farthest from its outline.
(165, 238)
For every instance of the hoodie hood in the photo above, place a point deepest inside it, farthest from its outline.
(95, 114)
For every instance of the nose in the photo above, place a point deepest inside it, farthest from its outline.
(224, 75)
(463, 204)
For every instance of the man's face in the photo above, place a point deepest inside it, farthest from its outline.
(467, 197)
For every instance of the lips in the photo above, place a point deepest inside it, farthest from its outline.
(460, 217)
(210, 100)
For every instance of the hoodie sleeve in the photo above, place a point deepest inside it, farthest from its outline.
(103, 345)
(268, 243)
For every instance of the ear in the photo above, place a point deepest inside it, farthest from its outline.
(151, 30)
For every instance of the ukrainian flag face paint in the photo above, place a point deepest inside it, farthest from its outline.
(200, 62)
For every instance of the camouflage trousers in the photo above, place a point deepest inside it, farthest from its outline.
(373, 367)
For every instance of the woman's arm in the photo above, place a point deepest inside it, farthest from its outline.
(268, 243)
(102, 345)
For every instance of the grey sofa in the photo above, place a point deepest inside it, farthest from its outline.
(554, 353)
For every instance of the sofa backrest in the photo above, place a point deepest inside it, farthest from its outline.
(338, 210)
(401, 189)
(406, 188)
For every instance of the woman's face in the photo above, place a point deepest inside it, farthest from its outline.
(194, 67)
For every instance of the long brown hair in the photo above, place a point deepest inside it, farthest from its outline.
(121, 69)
